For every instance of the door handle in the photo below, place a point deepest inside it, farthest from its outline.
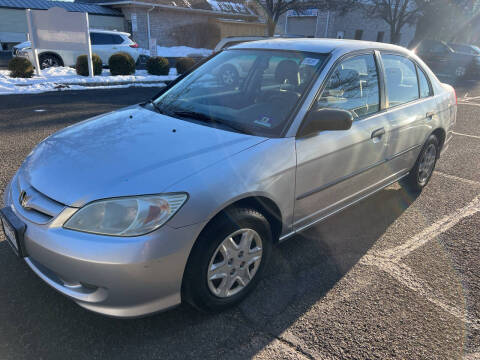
(430, 115)
(378, 133)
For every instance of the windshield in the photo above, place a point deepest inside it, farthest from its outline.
(252, 91)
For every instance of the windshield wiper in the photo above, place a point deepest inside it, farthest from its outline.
(205, 118)
(156, 107)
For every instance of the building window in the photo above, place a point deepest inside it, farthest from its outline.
(358, 34)
(380, 36)
(129, 27)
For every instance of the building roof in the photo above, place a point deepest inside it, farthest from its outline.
(69, 6)
(229, 7)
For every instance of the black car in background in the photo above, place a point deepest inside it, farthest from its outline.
(465, 48)
(445, 61)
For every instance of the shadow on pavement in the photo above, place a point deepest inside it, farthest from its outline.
(37, 322)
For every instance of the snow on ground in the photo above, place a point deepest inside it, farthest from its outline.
(178, 51)
(65, 78)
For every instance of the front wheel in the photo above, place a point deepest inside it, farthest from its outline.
(228, 75)
(49, 60)
(227, 260)
(421, 173)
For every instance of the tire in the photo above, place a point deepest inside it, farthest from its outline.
(228, 75)
(421, 173)
(202, 288)
(49, 60)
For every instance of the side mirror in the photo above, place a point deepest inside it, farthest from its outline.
(325, 119)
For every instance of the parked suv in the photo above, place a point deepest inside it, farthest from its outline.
(104, 43)
(445, 61)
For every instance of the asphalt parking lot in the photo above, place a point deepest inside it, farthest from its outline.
(394, 277)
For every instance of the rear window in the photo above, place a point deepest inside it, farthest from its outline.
(105, 39)
(423, 84)
(401, 79)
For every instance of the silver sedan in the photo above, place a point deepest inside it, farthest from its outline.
(181, 198)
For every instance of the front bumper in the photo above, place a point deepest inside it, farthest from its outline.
(120, 277)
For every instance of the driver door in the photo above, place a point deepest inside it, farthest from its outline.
(336, 168)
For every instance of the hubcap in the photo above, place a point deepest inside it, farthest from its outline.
(228, 77)
(234, 263)
(460, 71)
(49, 62)
(427, 164)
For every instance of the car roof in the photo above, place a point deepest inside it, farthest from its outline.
(459, 44)
(109, 32)
(318, 45)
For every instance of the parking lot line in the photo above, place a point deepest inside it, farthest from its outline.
(470, 136)
(389, 261)
(431, 232)
(457, 178)
(404, 275)
(473, 356)
(468, 103)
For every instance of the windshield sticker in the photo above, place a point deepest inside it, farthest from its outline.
(265, 121)
(309, 61)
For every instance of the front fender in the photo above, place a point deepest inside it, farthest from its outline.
(267, 170)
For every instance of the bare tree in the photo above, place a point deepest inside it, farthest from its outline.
(273, 9)
(447, 20)
(396, 13)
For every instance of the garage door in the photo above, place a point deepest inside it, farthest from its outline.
(301, 25)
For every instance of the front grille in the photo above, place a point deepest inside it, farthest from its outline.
(32, 204)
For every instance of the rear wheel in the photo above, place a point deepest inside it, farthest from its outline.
(421, 173)
(227, 260)
(49, 60)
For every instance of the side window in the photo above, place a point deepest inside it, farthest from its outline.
(352, 86)
(438, 48)
(401, 79)
(100, 39)
(423, 84)
(117, 39)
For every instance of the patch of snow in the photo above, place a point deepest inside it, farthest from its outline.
(178, 51)
(41, 88)
(65, 78)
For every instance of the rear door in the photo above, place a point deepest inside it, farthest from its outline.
(411, 109)
(102, 45)
(336, 168)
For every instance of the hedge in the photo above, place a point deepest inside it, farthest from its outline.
(121, 63)
(81, 66)
(20, 67)
(158, 65)
(184, 64)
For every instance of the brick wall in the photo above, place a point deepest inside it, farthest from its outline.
(163, 23)
(349, 23)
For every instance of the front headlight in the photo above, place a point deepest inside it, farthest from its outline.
(128, 216)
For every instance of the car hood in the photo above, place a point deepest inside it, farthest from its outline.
(133, 151)
(23, 45)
